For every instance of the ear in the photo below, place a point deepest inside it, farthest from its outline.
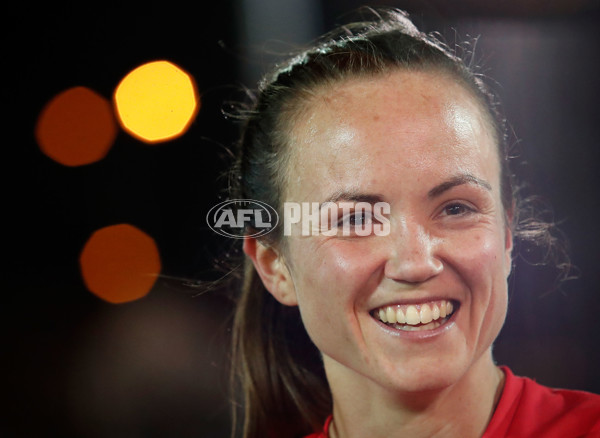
(272, 270)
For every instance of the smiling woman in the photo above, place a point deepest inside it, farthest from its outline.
(383, 334)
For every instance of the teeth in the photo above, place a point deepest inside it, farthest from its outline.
(411, 328)
(435, 311)
(412, 315)
(406, 317)
(426, 314)
(391, 315)
(383, 315)
(400, 316)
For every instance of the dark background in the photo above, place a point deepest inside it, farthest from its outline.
(74, 365)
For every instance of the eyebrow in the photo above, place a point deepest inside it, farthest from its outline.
(458, 180)
(352, 196)
(356, 196)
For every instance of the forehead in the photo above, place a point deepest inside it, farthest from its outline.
(395, 122)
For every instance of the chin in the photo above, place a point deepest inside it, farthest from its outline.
(424, 376)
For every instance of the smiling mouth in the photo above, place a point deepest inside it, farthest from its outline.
(416, 317)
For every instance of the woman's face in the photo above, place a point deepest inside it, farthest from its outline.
(419, 142)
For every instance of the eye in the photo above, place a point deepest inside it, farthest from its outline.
(360, 219)
(457, 209)
(356, 219)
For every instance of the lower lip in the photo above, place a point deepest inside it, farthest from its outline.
(420, 334)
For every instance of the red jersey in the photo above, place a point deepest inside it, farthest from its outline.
(529, 410)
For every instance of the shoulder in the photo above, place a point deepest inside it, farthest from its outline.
(527, 408)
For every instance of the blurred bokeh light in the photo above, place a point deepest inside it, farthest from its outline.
(120, 263)
(76, 127)
(156, 102)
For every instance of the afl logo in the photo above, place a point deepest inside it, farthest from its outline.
(231, 218)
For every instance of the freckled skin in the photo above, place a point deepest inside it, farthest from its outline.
(399, 136)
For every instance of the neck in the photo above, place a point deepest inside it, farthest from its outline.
(363, 408)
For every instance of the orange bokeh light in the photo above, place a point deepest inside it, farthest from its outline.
(156, 102)
(76, 127)
(120, 263)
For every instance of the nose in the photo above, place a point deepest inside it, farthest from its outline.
(412, 255)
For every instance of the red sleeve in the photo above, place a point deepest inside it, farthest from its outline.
(528, 409)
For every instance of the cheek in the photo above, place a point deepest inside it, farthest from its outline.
(336, 271)
(332, 281)
(481, 264)
(481, 254)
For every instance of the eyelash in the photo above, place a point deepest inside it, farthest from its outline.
(366, 214)
(465, 209)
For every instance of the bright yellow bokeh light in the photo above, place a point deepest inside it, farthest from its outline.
(156, 102)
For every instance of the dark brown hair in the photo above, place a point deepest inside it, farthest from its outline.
(277, 370)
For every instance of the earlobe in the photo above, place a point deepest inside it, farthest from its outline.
(272, 270)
